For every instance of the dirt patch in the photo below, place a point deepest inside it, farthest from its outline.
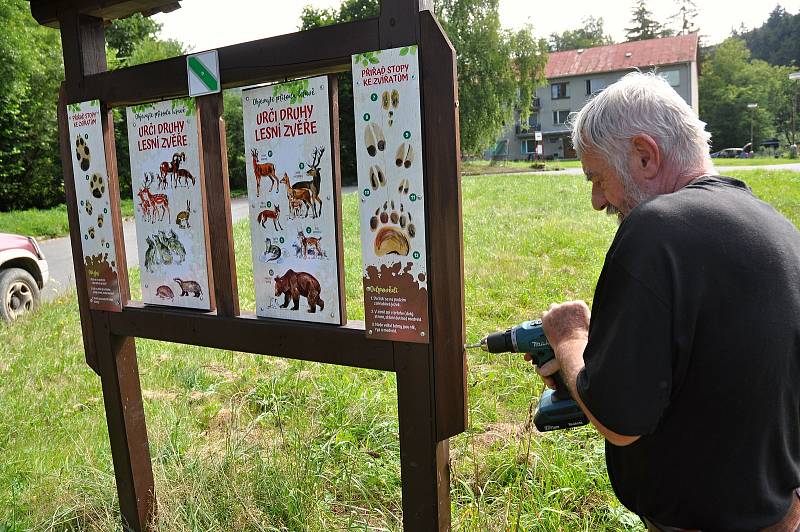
(159, 395)
(220, 371)
(506, 432)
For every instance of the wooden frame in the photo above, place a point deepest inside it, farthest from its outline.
(431, 378)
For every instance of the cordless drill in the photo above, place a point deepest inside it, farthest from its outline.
(557, 409)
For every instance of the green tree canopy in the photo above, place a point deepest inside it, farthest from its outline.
(590, 34)
(776, 40)
(124, 35)
(30, 75)
(685, 17)
(731, 80)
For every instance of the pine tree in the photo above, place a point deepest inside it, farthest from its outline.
(644, 25)
(685, 17)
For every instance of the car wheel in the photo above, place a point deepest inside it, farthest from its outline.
(19, 293)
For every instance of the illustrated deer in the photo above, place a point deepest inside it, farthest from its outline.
(264, 170)
(186, 175)
(155, 200)
(312, 242)
(297, 197)
(144, 206)
(314, 184)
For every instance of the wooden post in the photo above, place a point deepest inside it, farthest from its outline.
(122, 396)
(214, 179)
(112, 357)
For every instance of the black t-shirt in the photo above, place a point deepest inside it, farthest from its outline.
(694, 344)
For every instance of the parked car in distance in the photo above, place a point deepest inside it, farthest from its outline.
(727, 153)
(23, 273)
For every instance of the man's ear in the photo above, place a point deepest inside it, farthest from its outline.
(646, 157)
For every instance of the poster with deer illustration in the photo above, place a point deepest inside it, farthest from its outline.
(168, 204)
(386, 94)
(293, 192)
(94, 205)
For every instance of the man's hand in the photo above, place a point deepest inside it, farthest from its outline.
(566, 322)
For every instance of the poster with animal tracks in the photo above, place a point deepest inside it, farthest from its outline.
(389, 157)
(168, 204)
(94, 205)
(293, 191)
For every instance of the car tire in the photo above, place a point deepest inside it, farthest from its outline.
(19, 293)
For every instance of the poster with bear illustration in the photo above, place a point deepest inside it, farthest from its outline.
(389, 157)
(293, 192)
(168, 204)
(94, 205)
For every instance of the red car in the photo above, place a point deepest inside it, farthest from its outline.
(23, 272)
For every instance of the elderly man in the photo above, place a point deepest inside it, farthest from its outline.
(689, 364)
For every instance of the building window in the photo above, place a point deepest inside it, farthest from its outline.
(560, 117)
(593, 86)
(533, 120)
(528, 146)
(559, 90)
(673, 77)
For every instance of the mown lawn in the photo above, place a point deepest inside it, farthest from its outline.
(46, 223)
(241, 442)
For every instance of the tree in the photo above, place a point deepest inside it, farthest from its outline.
(731, 80)
(685, 17)
(312, 18)
(775, 41)
(30, 75)
(590, 34)
(124, 35)
(498, 70)
(644, 26)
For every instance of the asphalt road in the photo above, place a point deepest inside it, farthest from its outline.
(58, 251)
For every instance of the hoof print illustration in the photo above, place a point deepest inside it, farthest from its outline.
(164, 292)
(100, 221)
(405, 184)
(293, 284)
(385, 100)
(88, 207)
(376, 177)
(374, 139)
(404, 156)
(97, 185)
(394, 230)
(82, 153)
(91, 232)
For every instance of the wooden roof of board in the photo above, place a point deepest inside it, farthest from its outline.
(46, 12)
(625, 56)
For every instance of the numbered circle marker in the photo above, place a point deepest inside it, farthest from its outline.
(366, 117)
(407, 135)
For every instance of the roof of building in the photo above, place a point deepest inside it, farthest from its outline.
(625, 56)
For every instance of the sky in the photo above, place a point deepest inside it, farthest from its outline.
(206, 24)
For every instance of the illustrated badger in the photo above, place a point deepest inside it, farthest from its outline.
(189, 286)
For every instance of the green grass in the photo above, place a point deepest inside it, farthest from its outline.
(241, 442)
(755, 161)
(47, 223)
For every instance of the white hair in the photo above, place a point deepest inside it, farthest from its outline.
(642, 104)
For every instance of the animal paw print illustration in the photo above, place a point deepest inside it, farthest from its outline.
(88, 207)
(374, 139)
(389, 102)
(82, 153)
(394, 230)
(404, 156)
(376, 177)
(97, 185)
(100, 221)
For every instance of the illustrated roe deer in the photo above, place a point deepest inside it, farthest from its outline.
(263, 170)
(310, 241)
(155, 200)
(297, 197)
(273, 215)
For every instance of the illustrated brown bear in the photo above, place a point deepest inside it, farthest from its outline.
(295, 284)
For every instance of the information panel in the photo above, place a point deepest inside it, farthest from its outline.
(291, 191)
(94, 205)
(168, 200)
(390, 180)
